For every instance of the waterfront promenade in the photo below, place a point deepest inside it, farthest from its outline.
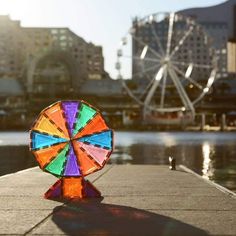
(137, 200)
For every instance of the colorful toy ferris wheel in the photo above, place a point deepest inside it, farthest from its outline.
(70, 140)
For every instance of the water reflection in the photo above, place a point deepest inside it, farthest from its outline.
(213, 155)
(207, 169)
(15, 158)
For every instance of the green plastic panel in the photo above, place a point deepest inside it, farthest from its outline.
(56, 166)
(86, 113)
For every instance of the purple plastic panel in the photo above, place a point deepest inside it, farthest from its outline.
(91, 191)
(72, 168)
(70, 109)
(54, 191)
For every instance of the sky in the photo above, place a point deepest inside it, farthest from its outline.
(102, 22)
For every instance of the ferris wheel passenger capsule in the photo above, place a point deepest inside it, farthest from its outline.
(151, 19)
(119, 53)
(118, 65)
(124, 41)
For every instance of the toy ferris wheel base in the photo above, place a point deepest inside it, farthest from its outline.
(72, 188)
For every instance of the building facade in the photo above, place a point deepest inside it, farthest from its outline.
(12, 44)
(231, 51)
(43, 56)
(219, 22)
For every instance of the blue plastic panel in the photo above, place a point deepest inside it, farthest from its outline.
(39, 140)
(103, 139)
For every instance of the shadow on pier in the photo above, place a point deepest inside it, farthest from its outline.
(91, 217)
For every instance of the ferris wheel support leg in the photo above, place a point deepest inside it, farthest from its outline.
(145, 113)
(72, 188)
(183, 95)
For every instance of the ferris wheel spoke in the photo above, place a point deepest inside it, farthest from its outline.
(144, 59)
(146, 70)
(147, 87)
(188, 78)
(182, 40)
(157, 78)
(154, 52)
(199, 98)
(183, 95)
(170, 33)
(157, 39)
(163, 89)
(130, 93)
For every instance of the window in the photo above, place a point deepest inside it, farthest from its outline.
(62, 31)
(54, 31)
(63, 44)
(63, 37)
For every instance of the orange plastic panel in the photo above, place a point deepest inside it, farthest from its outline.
(95, 125)
(55, 113)
(87, 165)
(45, 125)
(44, 156)
(72, 187)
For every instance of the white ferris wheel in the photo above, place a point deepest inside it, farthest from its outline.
(173, 65)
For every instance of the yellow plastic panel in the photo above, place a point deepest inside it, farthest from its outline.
(44, 125)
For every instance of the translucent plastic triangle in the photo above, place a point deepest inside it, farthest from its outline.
(72, 168)
(72, 188)
(55, 191)
(55, 113)
(39, 140)
(97, 124)
(103, 139)
(100, 155)
(56, 166)
(44, 125)
(87, 165)
(86, 113)
(90, 190)
(44, 156)
(70, 110)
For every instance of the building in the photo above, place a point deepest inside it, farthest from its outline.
(219, 22)
(12, 44)
(231, 49)
(47, 58)
(12, 103)
(49, 63)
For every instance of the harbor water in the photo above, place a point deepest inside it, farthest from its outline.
(211, 154)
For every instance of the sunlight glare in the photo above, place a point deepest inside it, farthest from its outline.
(14, 8)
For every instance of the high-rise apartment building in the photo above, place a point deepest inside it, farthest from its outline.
(219, 21)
